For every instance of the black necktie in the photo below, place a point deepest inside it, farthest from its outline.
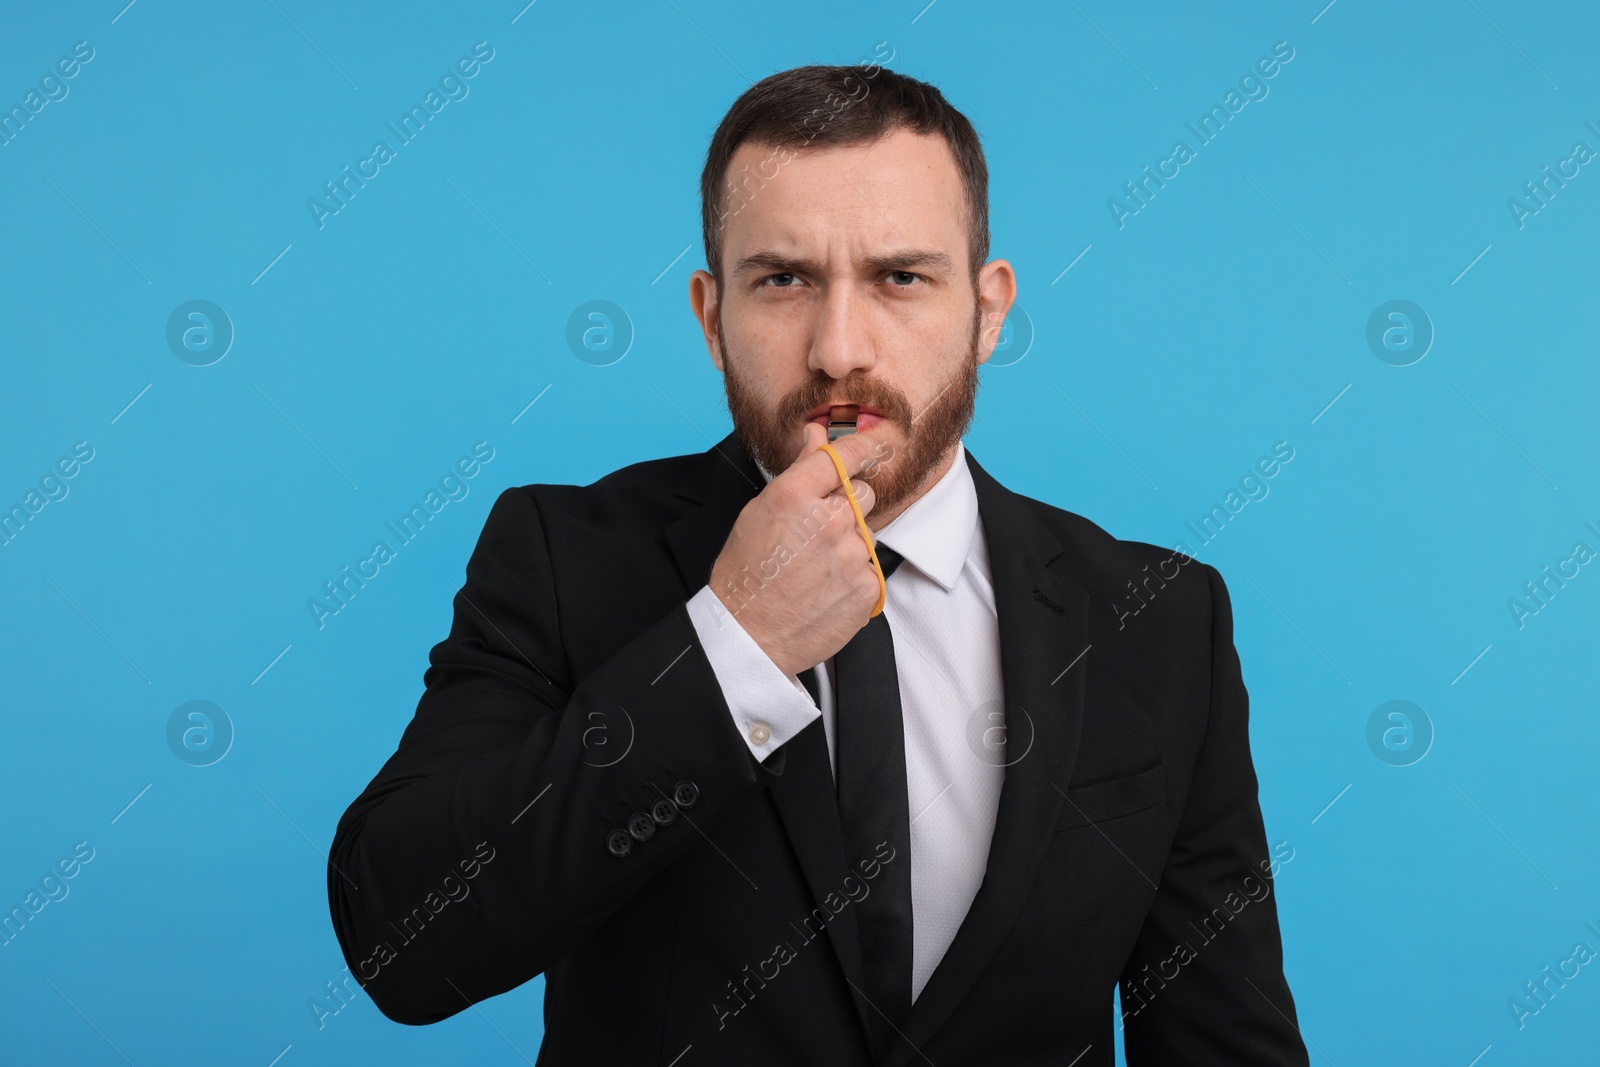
(874, 811)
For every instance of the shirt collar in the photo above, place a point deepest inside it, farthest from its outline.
(935, 532)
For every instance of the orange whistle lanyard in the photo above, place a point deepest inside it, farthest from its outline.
(861, 524)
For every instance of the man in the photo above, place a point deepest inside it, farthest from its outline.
(670, 758)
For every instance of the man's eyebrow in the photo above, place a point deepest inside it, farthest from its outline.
(766, 260)
(898, 259)
(905, 258)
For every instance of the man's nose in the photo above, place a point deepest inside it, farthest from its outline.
(842, 342)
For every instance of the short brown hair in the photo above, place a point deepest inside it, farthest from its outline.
(818, 106)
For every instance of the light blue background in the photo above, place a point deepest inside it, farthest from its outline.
(1225, 316)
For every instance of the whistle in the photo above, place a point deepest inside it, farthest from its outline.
(842, 420)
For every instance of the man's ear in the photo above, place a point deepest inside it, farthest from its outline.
(703, 302)
(997, 291)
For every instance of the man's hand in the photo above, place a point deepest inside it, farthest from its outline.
(795, 571)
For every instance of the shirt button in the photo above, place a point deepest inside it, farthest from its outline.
(760, 733)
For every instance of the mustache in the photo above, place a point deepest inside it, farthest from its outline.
(873, 392)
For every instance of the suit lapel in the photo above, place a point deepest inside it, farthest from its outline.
(808, 804)
(722, 481)
(1043, 625)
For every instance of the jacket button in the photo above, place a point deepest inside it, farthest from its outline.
(663, 812)
(641, 826)
(685, 794)
(618, 843)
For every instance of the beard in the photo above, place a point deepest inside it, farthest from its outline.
(773, 435)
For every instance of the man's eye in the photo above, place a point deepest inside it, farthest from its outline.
(903, 275)
(770, 277)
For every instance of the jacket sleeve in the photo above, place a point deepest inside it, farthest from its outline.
(1205, 982)
(486, 847)
(757, 692)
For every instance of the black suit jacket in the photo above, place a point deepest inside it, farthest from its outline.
(572, 700)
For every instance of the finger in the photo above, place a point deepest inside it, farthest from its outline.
(815, 473)
(865, 497)
(811, 436)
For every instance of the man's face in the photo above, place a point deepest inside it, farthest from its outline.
(846, 280)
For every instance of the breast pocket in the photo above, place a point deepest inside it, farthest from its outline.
(1091, 803)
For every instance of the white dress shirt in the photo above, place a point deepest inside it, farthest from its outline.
(940, 607)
